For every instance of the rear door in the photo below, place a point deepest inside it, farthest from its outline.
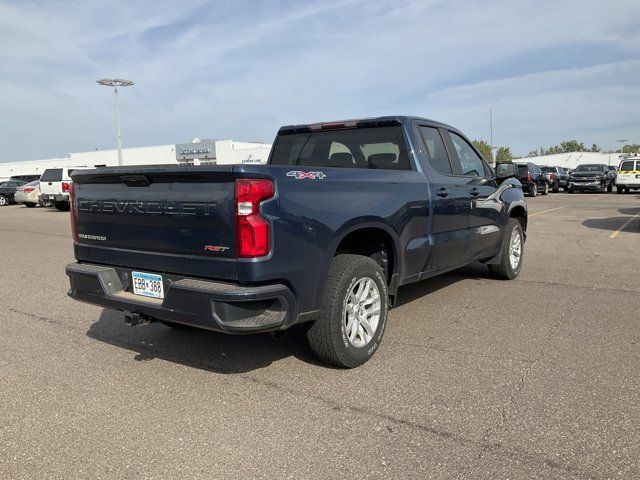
(450, 202)
(485, 211)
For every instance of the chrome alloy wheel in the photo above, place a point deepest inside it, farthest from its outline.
(362, 312)
(515, 249)
(3, 200)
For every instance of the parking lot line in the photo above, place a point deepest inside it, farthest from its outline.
(624, 225)
(547, 211)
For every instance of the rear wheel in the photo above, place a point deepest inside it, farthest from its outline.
(610, 188)
(29, 205)
(619, 190)
(62, 206)
(627, 190)
(545, 189)
(511, 253)
(354, 312)
(556, 187)
(569, 190)
(533, 190)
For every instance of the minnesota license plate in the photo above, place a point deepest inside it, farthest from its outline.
(147, 284)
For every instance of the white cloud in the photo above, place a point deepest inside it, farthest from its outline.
(239, 70)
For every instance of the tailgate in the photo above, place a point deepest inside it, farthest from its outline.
(165, 218)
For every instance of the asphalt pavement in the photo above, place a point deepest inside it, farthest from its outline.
(476, 378)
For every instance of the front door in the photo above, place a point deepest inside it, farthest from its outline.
(486, 208)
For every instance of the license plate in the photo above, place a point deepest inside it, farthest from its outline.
(147, 284)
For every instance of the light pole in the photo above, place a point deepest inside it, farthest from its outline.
(622, 147)
(115, 83)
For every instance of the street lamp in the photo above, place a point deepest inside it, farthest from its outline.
(115, 83)
(622, 147)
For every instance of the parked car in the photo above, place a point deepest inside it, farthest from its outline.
(594, 177)
(613, 173)
(55, 184)
(342, 215)
(557, 176)
(628, 177)
(533, 179)
(8, 191)
(26, 178)
(28, 194)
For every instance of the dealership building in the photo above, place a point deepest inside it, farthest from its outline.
(196, 152)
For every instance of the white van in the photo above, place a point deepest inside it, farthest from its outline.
(628, 177)
(55, 185)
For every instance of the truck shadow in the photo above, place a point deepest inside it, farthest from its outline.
(234, 354)
(614, 223)
(205, 350)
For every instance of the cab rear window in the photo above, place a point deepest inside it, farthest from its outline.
(376, 148)
(52, 175)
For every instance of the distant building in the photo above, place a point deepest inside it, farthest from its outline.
(573, 159)
(197, 152)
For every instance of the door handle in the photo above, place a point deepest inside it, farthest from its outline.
(442, 192)
(474, 192)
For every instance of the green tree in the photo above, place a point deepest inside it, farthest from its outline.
(595, 148)
(503, 154)
(631, 148)
(485, 149)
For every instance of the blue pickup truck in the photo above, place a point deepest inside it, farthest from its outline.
(343, 214)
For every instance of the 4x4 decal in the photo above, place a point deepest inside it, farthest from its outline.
(299, 175)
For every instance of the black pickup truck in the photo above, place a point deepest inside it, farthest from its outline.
(343, 214)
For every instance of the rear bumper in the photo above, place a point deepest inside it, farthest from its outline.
(222, 307)
(54, 197)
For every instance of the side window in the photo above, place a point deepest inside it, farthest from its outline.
(435, 149)
(471, 164)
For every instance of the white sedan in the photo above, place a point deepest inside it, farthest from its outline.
(28, 194)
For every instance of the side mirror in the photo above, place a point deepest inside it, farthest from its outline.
(506, 170)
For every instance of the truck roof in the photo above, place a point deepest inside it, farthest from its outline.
(388, 120)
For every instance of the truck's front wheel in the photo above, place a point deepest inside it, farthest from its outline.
(511, 252)
(354, 312)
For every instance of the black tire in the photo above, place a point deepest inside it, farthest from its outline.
(569, 190)
(556, 187)
(3, 201)
(62, 206)
(504, 269)
(619, 190)
(29, 205)
(545, 190)
(610, 188)
(627, 190)
(327, 336)
(533, 191)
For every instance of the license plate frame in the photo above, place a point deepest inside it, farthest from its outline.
(145, 284)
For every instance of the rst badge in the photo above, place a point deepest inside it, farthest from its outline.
(299, 175)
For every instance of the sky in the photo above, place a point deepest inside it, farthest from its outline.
(549, 70)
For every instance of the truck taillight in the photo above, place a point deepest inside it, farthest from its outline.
(552, 177)
(28, 190)
(529, 176)
(66, 187)
(253, 231)
(74, 209)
